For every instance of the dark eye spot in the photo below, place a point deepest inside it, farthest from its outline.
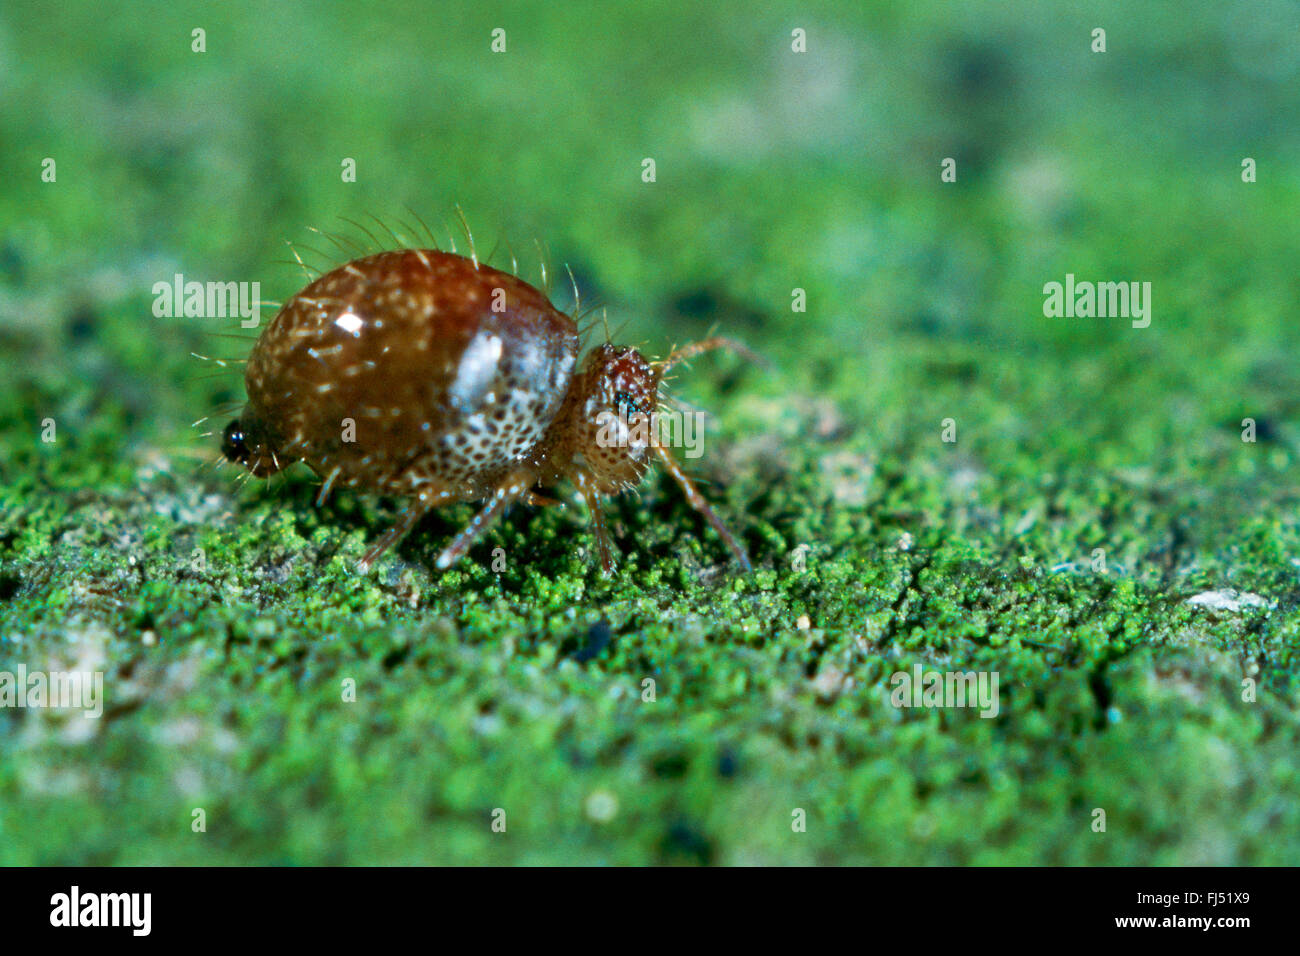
(626, 404)
(233, 444)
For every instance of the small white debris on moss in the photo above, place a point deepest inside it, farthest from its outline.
(1228, 600)
(601, 806)
(831, 682)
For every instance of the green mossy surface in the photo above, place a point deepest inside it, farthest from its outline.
(477, 690)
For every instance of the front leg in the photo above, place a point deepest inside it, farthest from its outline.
(696, 501)
(587, 488)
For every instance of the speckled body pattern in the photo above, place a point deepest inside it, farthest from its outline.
(430, 376)
(446, 394)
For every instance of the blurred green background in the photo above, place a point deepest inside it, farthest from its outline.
(776, 170)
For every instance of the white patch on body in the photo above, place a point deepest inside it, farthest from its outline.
(476, 372)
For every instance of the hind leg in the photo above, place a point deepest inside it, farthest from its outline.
(424, 502)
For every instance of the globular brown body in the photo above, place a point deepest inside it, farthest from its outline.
(430, 376)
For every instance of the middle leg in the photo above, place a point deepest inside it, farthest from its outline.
(513, 487)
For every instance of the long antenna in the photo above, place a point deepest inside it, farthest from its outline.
(677, 356)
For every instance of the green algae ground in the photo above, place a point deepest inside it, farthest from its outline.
(1097, 482)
